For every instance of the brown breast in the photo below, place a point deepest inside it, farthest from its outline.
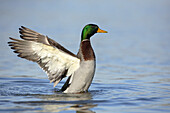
(87, 52)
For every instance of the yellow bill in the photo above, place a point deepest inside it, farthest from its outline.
(101, 31)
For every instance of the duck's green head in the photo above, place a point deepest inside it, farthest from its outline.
(89, 30)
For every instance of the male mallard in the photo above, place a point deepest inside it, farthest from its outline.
(57, 61)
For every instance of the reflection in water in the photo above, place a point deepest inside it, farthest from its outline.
(62, 102)
(79, 108)
(67, 97)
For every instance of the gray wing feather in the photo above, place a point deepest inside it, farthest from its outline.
(30, 35)
(23, 49)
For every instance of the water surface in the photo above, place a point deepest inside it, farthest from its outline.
(133, 59)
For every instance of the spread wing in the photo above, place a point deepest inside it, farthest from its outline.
(53, 58)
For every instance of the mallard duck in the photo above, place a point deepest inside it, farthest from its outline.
(57, 61)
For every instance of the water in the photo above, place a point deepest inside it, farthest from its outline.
(133, 59)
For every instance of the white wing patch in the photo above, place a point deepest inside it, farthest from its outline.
(55, 61)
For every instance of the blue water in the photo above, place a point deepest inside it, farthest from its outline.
(133, 59)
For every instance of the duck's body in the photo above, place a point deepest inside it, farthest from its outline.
(57, 61)
(83, 76)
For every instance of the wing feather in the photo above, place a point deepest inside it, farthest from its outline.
(53, 58)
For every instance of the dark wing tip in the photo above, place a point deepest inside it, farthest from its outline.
(23, 27)
(9, 41)
(21, 36)
(11, 38)
(20, 31)
(13, 47)
(20, 28)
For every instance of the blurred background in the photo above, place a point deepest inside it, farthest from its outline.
(134, 52)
